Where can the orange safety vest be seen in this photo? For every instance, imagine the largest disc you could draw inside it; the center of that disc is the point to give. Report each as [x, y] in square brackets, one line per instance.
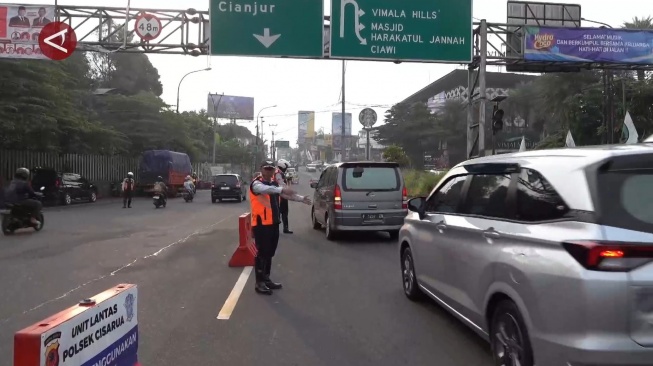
[261, 206]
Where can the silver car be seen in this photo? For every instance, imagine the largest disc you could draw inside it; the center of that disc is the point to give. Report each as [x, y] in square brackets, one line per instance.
[359, 196]
[548, 254]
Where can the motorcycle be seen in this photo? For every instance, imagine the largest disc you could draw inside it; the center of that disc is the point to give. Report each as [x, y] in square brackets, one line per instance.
[188, 196]
[15, 217]
[158, 200]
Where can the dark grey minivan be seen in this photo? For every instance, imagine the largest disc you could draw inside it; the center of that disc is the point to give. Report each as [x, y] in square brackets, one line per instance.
[359, 196]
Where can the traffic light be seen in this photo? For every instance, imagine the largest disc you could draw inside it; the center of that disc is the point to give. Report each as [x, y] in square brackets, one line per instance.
[497, 119]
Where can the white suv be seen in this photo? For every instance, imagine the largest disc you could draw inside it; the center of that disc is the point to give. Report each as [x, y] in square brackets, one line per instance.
[546, 254]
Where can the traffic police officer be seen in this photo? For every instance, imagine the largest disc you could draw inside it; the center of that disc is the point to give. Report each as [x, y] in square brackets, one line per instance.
[281, 179]
[265, 193]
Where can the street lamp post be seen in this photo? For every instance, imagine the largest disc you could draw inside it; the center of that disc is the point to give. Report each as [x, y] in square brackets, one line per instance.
[258, 115]
[182, 79]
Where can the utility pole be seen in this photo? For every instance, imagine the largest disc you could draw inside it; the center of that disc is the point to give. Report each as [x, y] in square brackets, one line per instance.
[272, 146]
[342, 127]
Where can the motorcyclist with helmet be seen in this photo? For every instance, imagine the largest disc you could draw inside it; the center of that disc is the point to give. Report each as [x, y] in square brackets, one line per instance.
[189, 186]
[20, 193]
[280, 177]
[161, 189]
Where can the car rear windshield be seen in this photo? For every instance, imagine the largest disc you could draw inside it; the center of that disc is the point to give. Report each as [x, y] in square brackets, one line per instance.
[369, 178]
[625, 195]
[43, 178]
[228, 179]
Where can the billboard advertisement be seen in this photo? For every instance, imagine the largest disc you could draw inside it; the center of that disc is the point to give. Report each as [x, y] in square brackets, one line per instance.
[20, 26]
[305, 126]
[230, 106]
[336, 128]
[588, 45]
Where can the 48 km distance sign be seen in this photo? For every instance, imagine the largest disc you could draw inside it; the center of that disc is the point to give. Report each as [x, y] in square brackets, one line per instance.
[148, 26]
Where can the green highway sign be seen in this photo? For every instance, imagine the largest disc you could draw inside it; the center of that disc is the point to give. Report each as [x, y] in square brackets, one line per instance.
[272, 28]
[402, 30]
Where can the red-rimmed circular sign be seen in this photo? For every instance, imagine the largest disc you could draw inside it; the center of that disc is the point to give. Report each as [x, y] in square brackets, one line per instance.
[147, 26]
[57, 41]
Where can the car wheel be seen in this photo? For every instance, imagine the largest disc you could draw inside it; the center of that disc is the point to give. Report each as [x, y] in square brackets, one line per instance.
[316, 224]
[509, 336]
[411, 287]
[330, 233]
[220, 200]
[67, 200]
[93, 197]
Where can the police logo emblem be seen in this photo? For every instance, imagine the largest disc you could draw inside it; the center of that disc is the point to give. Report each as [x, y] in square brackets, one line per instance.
[52, 349]
[129, 307]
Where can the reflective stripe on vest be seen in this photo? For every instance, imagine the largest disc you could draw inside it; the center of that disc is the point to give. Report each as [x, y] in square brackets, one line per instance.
[260, 207]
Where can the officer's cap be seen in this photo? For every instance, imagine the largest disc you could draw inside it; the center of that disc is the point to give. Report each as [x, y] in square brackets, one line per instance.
[267, 164]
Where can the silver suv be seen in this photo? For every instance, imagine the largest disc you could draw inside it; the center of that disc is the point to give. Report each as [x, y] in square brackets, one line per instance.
[548, 255]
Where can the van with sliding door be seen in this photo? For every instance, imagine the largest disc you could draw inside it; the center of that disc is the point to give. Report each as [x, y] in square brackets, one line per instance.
[359, 196]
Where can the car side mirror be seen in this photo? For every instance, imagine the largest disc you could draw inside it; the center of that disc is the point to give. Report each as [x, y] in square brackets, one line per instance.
[314, 185]
[417, 205]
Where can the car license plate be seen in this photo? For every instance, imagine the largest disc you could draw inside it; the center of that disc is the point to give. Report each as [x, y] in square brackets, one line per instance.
[156, 197]
[224, 188]
[372, 217]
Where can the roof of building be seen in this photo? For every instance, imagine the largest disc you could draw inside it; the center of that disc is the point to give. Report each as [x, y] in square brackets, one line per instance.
[458, 78]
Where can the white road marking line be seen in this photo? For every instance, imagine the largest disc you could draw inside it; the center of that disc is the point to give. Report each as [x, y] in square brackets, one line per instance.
[113, 273]
[232, 300]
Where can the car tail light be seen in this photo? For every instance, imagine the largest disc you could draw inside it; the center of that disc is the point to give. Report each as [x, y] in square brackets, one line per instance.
[337, 198]
[212, 185]
[237, 185]
[610, 256]
[404, 198]
[57, 183]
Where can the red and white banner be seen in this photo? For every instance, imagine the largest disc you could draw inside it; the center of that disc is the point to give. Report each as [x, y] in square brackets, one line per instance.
[20, 26]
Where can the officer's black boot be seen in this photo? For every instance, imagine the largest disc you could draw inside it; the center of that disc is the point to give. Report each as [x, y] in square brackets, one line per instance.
[268, 282]
[284, 219]
[259, 268]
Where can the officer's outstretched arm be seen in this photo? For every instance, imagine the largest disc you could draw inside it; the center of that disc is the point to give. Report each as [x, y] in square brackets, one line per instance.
[260, 188]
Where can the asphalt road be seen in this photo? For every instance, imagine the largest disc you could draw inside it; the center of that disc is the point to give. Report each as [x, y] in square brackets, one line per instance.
[342, 302]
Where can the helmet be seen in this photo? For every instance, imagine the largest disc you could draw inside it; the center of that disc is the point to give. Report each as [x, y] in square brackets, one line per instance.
[22, 173]
[283, 164]
[159, 179]
[130, 174]
[267, 164]
[188, 177]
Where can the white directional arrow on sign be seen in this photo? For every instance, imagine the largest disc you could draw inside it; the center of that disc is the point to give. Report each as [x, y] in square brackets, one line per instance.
[61, 34]
[266, 39]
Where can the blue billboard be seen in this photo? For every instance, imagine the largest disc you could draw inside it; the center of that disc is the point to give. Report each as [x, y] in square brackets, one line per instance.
[598, 45]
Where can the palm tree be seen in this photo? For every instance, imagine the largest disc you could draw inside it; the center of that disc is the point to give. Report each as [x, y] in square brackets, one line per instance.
[640, 23]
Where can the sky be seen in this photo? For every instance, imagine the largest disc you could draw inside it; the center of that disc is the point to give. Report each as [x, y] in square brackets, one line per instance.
[315, 85]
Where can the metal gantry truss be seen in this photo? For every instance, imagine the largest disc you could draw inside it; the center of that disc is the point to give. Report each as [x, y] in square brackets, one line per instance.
[500, 44]
[101, 29]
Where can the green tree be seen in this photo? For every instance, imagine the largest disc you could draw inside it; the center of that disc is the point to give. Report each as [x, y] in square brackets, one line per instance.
[645, 23]
[396, 154]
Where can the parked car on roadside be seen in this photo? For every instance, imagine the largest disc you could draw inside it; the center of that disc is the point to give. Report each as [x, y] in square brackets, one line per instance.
[548, 254]
[63, 188]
